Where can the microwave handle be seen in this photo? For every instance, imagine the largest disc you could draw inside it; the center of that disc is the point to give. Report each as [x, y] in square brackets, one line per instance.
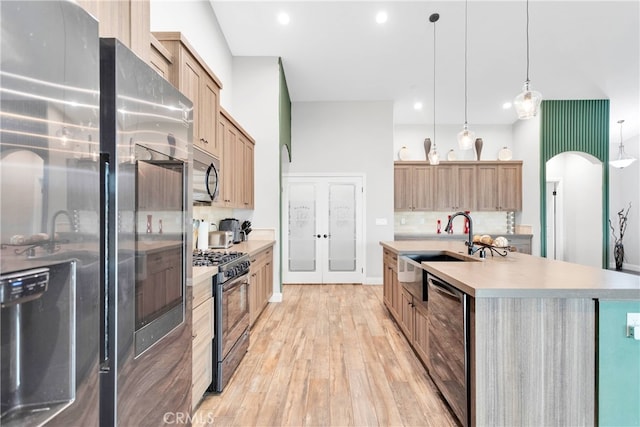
[206, 180]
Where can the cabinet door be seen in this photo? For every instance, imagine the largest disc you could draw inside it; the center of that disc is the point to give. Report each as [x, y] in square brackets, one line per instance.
[446, 188]
[201, 357]
[396, 294]
[423, 186]
[402, 188]
[466, 188]
[510, 187]
[190, 87]
[406, 313]
[247, 175]
[208, 115]
[488, 188]
[420, 331]
[228, 163]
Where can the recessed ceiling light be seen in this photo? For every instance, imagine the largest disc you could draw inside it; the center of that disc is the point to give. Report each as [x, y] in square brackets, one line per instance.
[381, 17]
[506, 105]
[417, 106]
[283, 18]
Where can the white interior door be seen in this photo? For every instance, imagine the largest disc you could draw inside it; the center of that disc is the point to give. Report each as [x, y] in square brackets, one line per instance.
[323, 229]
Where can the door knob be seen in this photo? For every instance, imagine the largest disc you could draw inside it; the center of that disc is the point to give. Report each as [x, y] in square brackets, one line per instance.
[327, 235]
[318, 236]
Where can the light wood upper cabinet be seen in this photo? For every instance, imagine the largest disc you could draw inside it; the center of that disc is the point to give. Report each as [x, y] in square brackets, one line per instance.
[237, 163]
[500, 187]
[160, 58]
[414, 187]
[126, 20]
[192, 77]
[455, 187]
[458, 186]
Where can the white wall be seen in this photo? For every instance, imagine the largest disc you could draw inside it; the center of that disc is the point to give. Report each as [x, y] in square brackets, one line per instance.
[526, 146]
[624, 188]
[197, 22]
[581, 233]
[494, 138]
[255, 97]
[351, 137]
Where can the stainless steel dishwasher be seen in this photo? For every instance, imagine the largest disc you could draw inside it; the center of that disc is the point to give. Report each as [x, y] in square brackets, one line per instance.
[448, 362]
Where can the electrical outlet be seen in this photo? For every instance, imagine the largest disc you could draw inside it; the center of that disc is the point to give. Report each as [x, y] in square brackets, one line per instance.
[403, 221]
[633, 322]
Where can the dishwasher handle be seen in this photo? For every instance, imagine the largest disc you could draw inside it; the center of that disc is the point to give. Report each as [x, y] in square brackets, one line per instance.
[444, 288]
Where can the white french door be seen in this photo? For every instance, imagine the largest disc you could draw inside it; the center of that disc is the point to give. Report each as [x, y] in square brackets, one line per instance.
[322, 229]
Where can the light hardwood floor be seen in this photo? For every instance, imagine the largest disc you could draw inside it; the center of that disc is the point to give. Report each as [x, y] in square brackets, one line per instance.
[328, 355]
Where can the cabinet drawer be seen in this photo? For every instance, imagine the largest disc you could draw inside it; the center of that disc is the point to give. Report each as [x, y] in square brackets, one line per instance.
[202, 290]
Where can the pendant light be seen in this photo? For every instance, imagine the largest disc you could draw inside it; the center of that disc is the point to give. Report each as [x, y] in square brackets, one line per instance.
[528, 101]
[623, 159]
[433, 156]
[465, 136]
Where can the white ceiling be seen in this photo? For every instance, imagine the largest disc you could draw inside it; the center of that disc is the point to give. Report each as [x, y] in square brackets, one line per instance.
[335, 51]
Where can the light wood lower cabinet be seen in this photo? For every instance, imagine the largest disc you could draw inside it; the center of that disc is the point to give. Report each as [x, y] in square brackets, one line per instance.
[391, 286]
[413, 322]
[260, 282]
[202, 336]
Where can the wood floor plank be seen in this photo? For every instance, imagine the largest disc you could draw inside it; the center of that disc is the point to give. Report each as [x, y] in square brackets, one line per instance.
[328, 355]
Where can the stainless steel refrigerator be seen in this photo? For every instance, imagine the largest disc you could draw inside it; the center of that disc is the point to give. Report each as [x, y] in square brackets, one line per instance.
[95, 163]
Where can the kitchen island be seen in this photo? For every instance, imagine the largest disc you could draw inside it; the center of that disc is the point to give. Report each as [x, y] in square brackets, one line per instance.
[531, 337]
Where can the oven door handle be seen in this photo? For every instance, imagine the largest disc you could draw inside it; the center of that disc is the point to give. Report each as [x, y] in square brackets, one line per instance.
[235, 282]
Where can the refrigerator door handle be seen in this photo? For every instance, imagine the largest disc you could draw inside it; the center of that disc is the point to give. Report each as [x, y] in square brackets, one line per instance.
[104, 264]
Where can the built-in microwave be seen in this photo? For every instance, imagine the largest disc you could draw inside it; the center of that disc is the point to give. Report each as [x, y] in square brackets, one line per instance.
[206, 178]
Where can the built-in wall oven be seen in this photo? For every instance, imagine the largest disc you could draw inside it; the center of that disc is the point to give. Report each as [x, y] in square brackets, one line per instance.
[206, 177]
[230, 312]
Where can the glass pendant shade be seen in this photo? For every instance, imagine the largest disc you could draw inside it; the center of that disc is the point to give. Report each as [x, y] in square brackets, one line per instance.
[466, 138]
[623, 160]
[527, 102]
[434, 158]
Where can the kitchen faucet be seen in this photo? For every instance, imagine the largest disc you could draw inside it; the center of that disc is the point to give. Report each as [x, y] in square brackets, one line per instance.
[52, 239]
[470, 249]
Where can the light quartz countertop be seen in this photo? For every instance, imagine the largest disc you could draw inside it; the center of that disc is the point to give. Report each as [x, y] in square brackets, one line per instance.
[250, 246]
[520, 275]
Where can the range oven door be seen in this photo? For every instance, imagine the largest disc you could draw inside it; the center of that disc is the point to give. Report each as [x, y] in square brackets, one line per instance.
[235, 311]
[206, 178]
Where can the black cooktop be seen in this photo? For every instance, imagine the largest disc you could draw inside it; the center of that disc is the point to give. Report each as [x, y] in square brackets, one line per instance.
[211, 258]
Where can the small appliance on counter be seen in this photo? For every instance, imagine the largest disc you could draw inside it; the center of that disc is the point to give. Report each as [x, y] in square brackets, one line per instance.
[233, 225]
[220, 239]
[245, 229]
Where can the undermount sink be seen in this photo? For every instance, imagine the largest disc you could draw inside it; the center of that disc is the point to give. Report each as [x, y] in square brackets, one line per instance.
[437, 257]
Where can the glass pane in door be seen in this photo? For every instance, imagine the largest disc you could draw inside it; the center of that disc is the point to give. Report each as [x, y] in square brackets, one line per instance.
[302, 227]
[342, 227]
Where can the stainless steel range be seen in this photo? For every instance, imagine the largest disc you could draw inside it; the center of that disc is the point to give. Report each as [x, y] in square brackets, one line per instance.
[231, 311]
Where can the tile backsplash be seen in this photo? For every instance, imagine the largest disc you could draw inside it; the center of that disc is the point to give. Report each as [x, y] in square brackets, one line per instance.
[426, 222]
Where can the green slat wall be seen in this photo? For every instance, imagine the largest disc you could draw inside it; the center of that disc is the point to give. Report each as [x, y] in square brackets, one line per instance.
[576, 125]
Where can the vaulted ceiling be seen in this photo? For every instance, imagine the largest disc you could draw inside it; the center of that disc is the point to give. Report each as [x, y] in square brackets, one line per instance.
[336, 51]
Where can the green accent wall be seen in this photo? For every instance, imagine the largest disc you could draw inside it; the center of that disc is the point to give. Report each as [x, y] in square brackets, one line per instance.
[619, 366]
[285, 111]
[575, 125]
[284, 118]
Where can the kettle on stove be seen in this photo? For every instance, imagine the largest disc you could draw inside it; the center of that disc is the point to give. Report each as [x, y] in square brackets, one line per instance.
[233, 225]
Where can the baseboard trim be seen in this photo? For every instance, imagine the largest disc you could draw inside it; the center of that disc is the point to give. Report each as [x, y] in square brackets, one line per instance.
[276, 297]
[372, 281]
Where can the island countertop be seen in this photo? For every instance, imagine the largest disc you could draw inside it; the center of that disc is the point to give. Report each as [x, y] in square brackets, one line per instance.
[520, 275]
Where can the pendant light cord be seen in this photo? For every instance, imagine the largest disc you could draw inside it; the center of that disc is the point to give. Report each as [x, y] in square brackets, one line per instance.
[434, 84]
[527, 41]
[466, 5]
